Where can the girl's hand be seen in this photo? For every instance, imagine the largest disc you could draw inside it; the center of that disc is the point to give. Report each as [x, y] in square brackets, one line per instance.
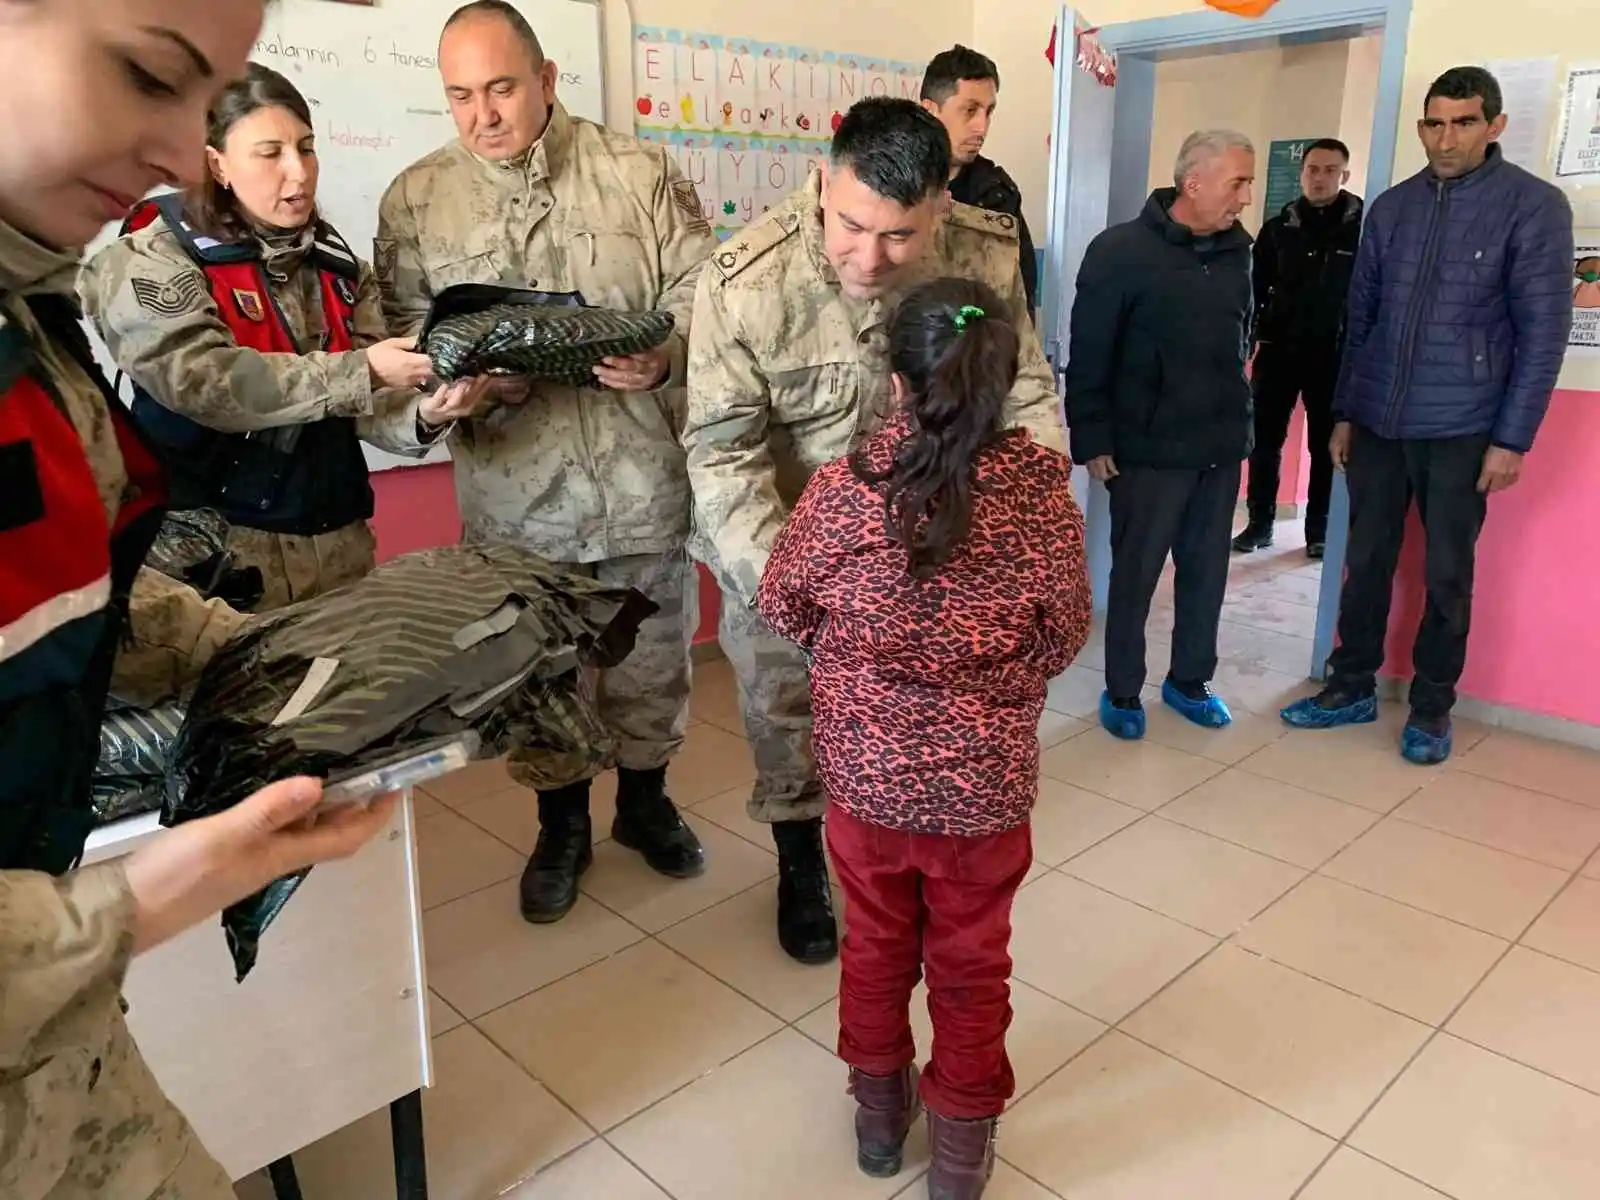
[396, 364]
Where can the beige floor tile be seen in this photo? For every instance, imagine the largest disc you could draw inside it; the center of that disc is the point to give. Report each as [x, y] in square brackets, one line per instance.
[1410, 961]
[1044, 1032]
[1307, 1049]
[1570, 772]
[795, 1138]
[1008, 1183]
[1076, 692]
[596, 1172]
[730, 810]
[1248, 733]
[1351, 1175]
[489, 1127]
[1530, 824]
[512, 815]
[1100, 954]
[1055, 728]
[1124, 1122]
[1191, 877]
[737, 942]
[617, 1037]
[1359, 765]
[1540, 1011]
[441, 1017]
[1303, 590]
[1068, 820]
[621, 880]
[1143, 774]
[1486, 889]
[424, 806]
[716, 697]
[472, 782]
[1258, 689]
[456, 858]
[1272, 613]
[482, 954]
[1271, 817]
[1591, 869]
[1477, 1126]
[1570, 928]
[1251, 646]
[711, 762]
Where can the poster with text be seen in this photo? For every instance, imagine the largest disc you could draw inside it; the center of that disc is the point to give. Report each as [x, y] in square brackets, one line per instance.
[1585, 339]
[1578, 151]
[746, 121]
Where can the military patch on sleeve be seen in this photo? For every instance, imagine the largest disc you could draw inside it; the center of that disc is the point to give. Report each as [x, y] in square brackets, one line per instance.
[384, 254]
[688, 202]
[995, 224]
[173, 299]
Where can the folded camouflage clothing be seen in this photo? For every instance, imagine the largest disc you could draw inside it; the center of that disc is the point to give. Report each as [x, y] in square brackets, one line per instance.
[484, 638]
[192, 547]
[557, 344]
[129, 776]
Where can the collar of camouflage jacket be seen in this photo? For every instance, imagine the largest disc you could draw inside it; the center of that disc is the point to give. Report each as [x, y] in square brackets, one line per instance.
[811, 233]
[27, 266]
[542, 159]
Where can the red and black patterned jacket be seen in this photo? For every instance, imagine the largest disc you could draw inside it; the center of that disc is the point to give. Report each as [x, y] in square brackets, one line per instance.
[926, 694]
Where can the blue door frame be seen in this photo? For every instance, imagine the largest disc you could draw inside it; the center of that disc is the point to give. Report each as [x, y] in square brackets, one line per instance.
[1139, 45]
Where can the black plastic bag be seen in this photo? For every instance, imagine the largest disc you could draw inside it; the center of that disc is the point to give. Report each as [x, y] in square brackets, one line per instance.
[479, 329]
[488, 638]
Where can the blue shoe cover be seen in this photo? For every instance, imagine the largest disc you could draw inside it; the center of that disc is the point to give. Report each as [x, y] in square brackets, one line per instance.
[1308, 714]
[1124, 723]
[1423, 748]
[1210, 713]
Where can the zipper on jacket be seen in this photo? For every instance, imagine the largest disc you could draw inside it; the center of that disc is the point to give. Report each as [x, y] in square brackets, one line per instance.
[1408, 340]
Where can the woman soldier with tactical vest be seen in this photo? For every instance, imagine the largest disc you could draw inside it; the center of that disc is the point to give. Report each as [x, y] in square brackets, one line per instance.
[100, 103]
[257, 348]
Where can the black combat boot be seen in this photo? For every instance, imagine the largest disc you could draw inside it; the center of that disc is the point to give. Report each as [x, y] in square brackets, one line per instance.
[563, 853]
[806, 928]
[963, 1157]
[647, 821]
[1257, 535]
[885, 1107]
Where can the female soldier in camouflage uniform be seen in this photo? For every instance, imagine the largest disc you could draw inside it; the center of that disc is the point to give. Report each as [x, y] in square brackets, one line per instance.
[100, 102]
[257, 348]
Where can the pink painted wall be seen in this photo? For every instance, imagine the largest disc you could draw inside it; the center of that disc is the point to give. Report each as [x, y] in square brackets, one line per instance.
[416, 508]
[1535, 642]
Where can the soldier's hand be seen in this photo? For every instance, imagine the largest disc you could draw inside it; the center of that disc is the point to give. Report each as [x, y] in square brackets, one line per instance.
[1339, 445]
[195, 870]
[635, 372]
[396, 364]
[455, 401]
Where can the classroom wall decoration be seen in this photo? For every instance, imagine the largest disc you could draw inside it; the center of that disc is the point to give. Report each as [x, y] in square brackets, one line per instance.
[747, 120]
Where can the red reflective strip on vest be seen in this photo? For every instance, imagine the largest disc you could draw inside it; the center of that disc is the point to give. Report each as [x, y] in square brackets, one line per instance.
[147, 485]
[56, 569]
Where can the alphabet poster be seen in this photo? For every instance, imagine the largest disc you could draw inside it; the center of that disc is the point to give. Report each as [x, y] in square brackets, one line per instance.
[1585, 339]
[746, 120]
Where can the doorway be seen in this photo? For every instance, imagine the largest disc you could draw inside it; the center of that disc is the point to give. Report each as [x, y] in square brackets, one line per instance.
[1265, 77]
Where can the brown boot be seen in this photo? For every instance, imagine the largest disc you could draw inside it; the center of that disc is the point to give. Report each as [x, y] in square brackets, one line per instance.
[885, 1107]
[963, 1157]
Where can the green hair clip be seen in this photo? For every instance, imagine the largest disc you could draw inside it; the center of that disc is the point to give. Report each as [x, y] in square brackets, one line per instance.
[967, 314]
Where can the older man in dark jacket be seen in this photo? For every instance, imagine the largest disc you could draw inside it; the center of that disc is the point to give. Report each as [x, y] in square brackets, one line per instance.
[1159, 411]
[1458, 316]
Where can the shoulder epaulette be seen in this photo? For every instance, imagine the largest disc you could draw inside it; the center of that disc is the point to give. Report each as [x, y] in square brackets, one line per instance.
[981, 220]
[754, 241]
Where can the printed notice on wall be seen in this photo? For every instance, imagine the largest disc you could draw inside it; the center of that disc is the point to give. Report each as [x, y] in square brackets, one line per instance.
[1585, 339]
[746, 121]
[1578, 150]
[1528, 85]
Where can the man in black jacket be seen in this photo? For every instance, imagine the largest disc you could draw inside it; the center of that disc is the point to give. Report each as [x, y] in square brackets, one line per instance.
[1159, 411]
[1303, 261]
[961, 87]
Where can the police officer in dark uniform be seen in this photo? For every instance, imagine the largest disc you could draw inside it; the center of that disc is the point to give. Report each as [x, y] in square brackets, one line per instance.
[960, 87]
[1302, 266]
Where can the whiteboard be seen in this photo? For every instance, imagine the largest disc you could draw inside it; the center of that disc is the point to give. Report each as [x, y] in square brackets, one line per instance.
[370, 75]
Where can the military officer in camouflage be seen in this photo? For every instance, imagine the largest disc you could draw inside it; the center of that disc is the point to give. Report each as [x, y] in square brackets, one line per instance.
[788, 369]
[531, 196]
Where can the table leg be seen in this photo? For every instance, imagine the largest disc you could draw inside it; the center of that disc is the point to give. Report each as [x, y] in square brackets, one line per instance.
[285, 1184]
[410, 1149]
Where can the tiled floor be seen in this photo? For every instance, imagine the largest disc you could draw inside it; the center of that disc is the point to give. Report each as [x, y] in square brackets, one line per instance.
[1249, 966]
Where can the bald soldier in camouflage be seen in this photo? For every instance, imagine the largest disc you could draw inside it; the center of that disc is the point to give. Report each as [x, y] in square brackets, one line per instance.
[531, 196]
[788, 370]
